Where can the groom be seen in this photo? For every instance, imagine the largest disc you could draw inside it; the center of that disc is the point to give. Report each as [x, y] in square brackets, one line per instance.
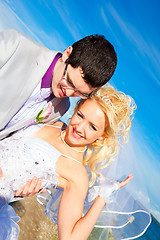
[31, 76]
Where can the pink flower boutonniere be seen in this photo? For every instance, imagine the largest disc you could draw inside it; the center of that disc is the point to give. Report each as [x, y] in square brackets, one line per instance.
[42, 115]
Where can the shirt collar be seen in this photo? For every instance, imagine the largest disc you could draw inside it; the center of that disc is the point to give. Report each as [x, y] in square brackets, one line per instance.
[47, 78]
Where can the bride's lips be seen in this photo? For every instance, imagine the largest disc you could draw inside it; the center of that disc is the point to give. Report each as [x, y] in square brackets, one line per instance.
[76, 134]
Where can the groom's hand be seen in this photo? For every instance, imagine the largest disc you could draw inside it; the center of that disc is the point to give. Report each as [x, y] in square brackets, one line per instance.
[31, 187]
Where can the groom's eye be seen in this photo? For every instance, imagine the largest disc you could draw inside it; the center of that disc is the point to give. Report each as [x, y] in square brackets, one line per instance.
[69, 81]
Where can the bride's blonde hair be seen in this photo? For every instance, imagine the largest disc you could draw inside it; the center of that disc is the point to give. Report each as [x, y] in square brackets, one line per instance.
[118, 109]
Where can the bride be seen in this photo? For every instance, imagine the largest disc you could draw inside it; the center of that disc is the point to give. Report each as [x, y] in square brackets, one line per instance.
[59, 156]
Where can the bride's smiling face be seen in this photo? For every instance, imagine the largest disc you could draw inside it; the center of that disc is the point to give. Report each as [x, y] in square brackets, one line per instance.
[86, 125]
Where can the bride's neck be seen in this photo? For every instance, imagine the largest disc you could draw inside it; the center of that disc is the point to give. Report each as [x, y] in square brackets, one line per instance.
[77, 149]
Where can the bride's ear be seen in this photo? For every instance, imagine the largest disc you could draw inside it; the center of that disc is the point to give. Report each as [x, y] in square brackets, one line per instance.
[100, 138]
[66, 53]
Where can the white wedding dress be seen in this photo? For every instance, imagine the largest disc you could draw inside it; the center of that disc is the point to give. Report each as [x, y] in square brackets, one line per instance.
[23, 157]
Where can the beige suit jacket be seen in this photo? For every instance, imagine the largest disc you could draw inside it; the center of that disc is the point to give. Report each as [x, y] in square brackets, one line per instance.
[23, 63]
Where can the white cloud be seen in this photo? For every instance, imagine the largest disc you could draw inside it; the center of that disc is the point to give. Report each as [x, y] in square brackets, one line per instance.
[10, 19]
[53, 40]
[65, 14]
[149, 54]
[108, 25]
[104, 17]
[7, 20]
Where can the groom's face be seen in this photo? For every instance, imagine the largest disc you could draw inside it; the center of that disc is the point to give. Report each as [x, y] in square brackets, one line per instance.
[68, 81]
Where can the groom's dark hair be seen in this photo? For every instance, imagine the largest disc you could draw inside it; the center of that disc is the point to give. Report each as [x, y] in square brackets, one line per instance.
[97, 58]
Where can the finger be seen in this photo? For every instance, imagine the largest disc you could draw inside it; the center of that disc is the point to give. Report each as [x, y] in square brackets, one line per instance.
[26, 188]
[38, 186]
[19, 191]
[126, 181]
[1, 173]
[32, 185]
[129, 177]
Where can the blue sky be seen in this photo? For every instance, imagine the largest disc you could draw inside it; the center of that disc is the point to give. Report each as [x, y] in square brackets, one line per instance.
[133, 28]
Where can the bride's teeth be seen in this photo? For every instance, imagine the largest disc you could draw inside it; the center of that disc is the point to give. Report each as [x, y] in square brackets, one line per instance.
[77, 134]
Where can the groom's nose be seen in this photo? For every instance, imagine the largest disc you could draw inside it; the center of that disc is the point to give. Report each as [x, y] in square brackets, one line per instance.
[70, 92]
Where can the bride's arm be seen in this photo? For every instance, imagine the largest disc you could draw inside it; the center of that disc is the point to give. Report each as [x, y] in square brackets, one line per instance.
[71, 224]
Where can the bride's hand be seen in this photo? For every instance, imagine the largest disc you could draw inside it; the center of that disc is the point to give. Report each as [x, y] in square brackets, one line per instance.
[31, 187]
[121, 184]
[126, 181]
[105, 188]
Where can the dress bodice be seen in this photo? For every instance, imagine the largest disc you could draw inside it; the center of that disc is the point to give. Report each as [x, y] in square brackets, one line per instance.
[23, 157]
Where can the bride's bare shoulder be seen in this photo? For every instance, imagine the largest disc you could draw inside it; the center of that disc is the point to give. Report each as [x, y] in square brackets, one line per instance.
[58, 124]
[74, 172]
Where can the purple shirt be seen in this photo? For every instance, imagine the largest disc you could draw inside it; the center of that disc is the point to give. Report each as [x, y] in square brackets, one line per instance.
[47, 78]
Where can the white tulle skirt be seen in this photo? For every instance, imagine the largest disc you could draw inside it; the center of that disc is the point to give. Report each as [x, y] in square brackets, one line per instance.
[9, 228]
[122, 218]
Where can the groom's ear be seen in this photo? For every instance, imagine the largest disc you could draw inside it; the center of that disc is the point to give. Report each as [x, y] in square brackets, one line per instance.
[66, 53]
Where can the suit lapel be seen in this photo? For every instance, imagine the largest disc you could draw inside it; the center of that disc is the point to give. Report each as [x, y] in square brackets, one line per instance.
[25, 81]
